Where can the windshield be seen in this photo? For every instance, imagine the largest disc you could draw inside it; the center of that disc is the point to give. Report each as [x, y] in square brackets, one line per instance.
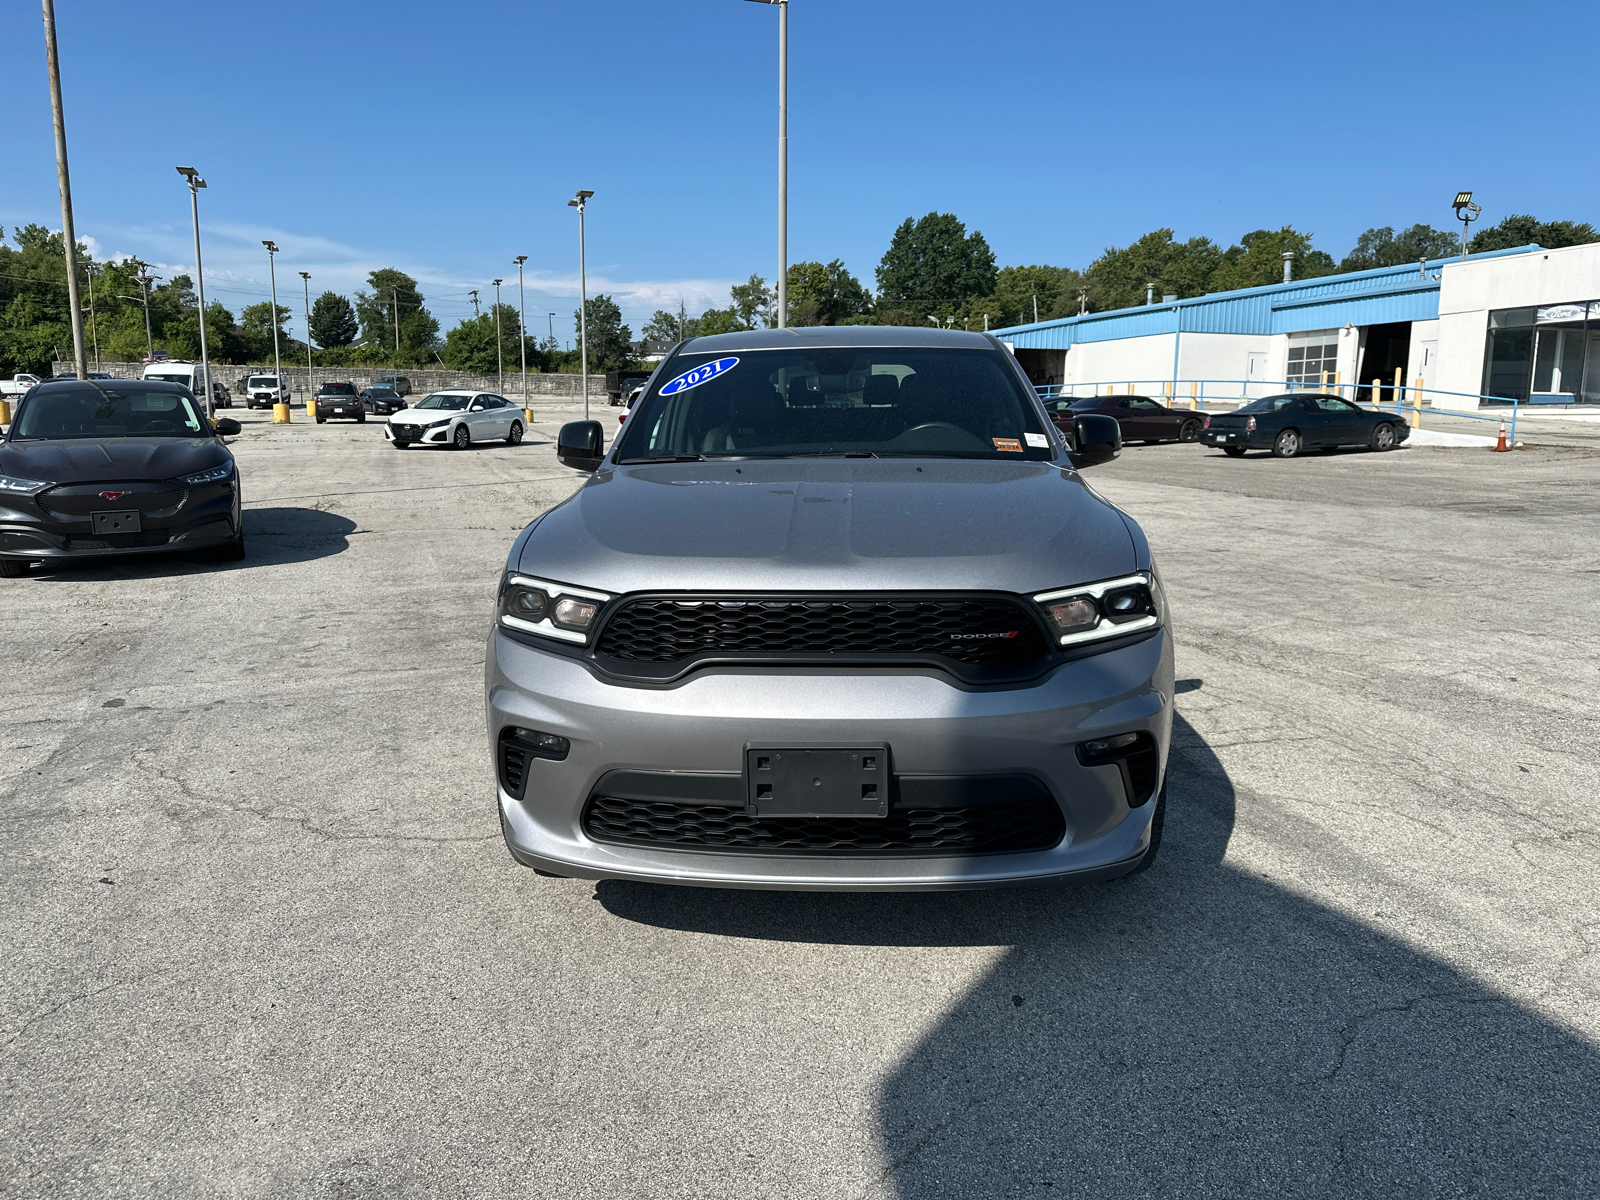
[450, 402]
[831, 401]
[1266, 404]
[126, 410]
[266, 381]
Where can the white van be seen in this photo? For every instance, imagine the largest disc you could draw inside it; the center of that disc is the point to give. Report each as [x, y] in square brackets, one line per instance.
[192, 376]
[263, 391]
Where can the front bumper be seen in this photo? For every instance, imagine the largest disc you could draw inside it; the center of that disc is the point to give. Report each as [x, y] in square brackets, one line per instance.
[423, 436]
[933, 728]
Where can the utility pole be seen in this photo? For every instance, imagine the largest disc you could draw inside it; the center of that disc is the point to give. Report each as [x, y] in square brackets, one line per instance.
[195, 184]
[474, 294]
[69, 237]
[144, 287]
[94, 326]
[550, 325]
[305, 282]
[578, 202]
[1036, 308]
[394, 299]
[272, 266]
[522, 327]
[499, 346]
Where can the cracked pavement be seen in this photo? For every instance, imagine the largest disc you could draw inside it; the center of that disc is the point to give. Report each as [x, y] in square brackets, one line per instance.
[262, 940]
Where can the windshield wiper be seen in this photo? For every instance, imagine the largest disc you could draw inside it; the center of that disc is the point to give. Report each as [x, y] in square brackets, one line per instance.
[631, 462]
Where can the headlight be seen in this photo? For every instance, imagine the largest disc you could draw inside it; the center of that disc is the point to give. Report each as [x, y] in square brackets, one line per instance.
[1108, 609]
[551, 609]
[10, 485]
[214, 475]
[436, 424]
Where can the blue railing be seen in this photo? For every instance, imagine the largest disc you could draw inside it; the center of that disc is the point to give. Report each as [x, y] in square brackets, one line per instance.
[1241, 391]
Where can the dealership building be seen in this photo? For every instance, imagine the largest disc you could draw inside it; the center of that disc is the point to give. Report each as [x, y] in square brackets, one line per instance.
[1505, 325]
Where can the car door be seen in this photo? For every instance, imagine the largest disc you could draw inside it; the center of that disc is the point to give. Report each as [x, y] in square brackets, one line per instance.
[501, 408]
[1154, 419]
[483, 418]
[1310, 420]
[1345, 423]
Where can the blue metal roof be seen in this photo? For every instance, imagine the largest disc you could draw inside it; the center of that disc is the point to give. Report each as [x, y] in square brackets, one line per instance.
[1402, 293]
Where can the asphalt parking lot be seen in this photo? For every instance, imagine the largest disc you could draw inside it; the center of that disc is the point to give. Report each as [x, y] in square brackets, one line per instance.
[262, 938]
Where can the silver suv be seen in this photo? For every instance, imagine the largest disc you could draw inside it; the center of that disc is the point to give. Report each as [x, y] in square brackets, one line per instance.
[836, 611]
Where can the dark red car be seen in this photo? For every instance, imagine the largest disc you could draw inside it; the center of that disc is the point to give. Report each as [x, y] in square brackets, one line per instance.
[1142, 419]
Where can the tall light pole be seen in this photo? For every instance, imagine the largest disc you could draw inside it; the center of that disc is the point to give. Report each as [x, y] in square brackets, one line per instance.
[783, 159]
[1466, 213]
[272, 267]
[550, 327]
[69, 238]
[305, 282]
[195, 184]
[522, 326]
[499, 346]
[578, 202]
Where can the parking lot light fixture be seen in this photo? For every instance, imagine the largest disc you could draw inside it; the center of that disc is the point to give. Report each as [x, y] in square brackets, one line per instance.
[499, 346]
[1466, 212]
[195, 184]
[783, 159]
[522, 328]
[305, 278]
[578, 202]
[272, 267]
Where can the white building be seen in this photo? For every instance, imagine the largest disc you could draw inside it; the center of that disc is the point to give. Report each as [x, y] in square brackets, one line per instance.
[1512, 324]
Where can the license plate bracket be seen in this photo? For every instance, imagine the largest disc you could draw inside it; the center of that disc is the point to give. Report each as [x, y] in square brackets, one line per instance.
[817, 781]
[117, 522]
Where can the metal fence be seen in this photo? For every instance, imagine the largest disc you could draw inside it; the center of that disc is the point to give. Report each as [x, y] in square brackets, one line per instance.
[540, 387]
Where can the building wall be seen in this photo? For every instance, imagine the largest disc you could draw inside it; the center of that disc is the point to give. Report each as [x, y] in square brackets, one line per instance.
[1424, 334]
[1469, 290]
[1138, 359]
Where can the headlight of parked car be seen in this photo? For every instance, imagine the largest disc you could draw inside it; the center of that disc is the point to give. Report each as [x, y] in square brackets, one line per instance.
[214, 475]
[10, 485]
[555, 610]
[1095, 611]
[437, 424]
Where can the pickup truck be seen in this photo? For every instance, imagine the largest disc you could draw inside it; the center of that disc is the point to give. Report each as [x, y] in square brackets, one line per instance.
[13, 388]
[620, 383]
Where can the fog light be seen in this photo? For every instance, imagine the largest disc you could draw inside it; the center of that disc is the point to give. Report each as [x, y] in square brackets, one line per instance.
[545, 745]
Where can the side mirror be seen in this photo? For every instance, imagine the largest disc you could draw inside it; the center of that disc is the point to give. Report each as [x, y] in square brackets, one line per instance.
[1095, 439]
[227, 427]
[476, 408]
[581, 445]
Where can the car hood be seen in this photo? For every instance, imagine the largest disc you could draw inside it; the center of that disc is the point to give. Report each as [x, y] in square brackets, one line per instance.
[425, 416]
[831, 525]
[85, 461]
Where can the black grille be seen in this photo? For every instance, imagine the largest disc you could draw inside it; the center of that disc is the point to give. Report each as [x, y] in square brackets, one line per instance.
[1033, 824]
[975, 631]
[408, 431]
[121, 541]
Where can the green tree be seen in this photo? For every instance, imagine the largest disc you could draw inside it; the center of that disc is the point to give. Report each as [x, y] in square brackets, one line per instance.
[825, 294]
[1379, 247]
[668, 328]
[333, 321]
[754, 301]
[394, 298]
[1523, 230]
[609, 338]
[224, 342]
[470, 345]
[1156, 264]
[1258, 260]
[719, 320]
[932, 262]
[255, 329]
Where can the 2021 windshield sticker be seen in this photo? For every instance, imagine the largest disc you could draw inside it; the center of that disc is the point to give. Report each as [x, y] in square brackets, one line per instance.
[701, 374]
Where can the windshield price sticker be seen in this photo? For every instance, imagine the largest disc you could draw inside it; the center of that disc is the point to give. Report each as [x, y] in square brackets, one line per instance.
[1009, 445]
[1037, 439]
[701, 374]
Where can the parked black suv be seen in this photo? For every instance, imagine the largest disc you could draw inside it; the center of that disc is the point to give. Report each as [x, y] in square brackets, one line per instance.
[339, 400]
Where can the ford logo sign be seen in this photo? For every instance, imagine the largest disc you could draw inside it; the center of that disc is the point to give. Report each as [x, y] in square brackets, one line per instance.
[701, 374]
[114, 495]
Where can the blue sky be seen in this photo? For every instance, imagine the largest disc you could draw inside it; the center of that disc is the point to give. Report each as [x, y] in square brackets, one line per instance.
[445, 138]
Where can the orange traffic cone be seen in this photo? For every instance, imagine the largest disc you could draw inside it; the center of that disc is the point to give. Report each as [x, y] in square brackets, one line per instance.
[1500, 446]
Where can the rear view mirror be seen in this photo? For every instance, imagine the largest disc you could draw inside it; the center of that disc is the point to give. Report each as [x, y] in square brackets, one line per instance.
[581, 444]
[1095, 439]
[227, 427]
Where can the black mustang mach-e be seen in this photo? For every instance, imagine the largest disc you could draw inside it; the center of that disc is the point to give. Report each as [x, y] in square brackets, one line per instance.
[104, 467]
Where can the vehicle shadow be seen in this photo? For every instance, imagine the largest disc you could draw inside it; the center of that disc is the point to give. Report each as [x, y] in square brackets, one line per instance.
[273, 536]
[1195, 1030]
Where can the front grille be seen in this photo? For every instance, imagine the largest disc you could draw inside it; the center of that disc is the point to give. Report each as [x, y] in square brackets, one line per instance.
[120, 541]
[407, 431]
[973, 631]
[1032, 824]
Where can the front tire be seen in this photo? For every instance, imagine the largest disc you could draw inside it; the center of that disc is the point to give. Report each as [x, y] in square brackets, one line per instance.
[230, 551]
[1233, 451]
[515, 436]
[1287, 444]
[1157, 820]
[1383, 436]
[462, 438]
[1189, 431]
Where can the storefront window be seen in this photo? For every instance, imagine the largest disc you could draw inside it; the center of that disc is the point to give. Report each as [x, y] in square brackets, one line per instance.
[1547, 355]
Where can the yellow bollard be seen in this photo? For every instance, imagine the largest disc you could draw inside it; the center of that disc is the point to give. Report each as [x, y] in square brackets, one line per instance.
[1194, 395]
[280, 414]
[1130, 389]
[5, 412]
[1377, 391]
[1416, 413]
[527, 417]
[1338, 383]
[311, 409]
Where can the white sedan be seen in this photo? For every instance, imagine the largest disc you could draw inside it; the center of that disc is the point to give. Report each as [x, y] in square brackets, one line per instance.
[455, 417]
